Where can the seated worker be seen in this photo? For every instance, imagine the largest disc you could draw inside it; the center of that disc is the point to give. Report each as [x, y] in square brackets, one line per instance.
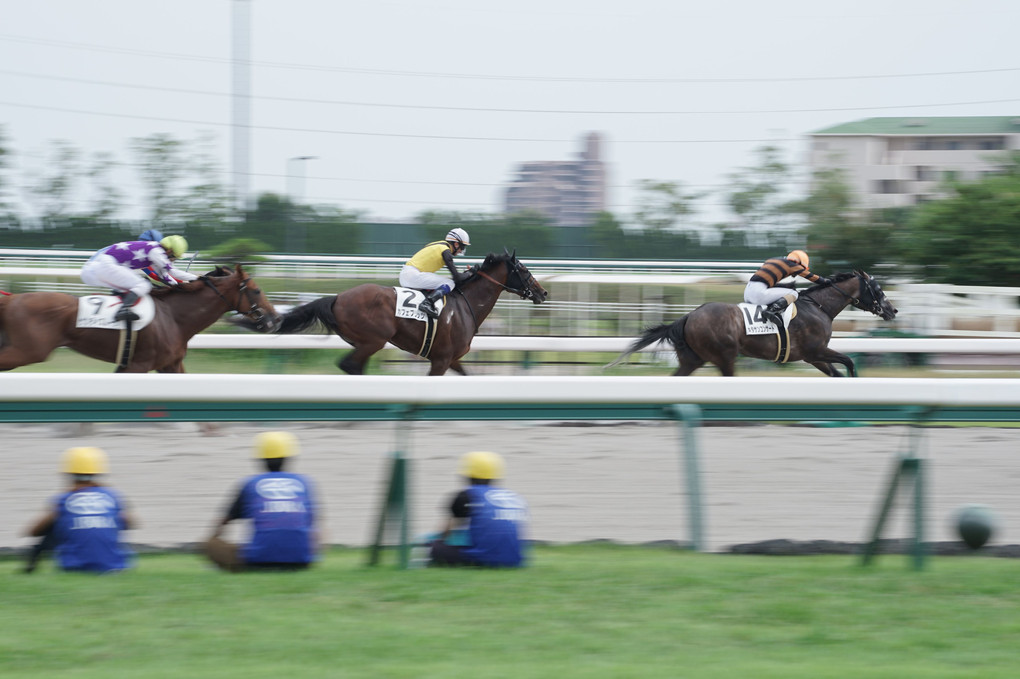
[764, 288]
[282, 512]
[420, 271]
[114, 267]
[84, 523]
[493, 518]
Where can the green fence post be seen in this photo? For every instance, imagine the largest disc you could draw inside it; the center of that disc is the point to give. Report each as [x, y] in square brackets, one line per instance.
[396, 503]
[909, 464]
[690, 417]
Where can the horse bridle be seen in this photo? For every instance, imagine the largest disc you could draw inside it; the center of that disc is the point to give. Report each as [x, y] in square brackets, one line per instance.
[870, 304]
[514, 268]
[255, 312]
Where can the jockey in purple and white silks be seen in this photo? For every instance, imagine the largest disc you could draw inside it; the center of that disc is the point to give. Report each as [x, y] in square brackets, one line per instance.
[114, 267]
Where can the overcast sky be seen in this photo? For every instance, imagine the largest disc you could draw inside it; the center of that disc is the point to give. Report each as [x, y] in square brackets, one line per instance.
[411, 105]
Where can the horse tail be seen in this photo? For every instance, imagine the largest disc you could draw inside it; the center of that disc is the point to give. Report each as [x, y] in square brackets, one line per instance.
[303, 317]
[667, 332]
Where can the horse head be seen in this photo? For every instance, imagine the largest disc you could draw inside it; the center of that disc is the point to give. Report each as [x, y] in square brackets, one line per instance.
[518, 280]
[239, 291]
[872, 298]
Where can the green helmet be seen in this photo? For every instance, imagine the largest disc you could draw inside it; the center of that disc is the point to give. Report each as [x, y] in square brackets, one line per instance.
[85, 460]
[274, 444]
[482, 465]
[175, 245]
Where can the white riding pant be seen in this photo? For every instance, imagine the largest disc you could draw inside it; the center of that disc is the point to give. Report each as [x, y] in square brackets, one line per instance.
[104, 271]
[412, 277]
[758, 292]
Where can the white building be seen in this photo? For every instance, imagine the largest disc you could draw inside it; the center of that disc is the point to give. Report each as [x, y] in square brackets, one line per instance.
[895, 162]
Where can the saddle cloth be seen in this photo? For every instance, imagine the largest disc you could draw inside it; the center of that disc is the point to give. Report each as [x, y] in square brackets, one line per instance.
[754, 324]
[96, 311]
[408, 300]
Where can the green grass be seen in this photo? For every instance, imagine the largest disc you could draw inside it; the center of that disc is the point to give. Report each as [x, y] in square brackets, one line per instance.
[579, 611]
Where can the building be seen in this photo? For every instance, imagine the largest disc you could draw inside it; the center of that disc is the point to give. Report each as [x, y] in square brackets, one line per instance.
[895, 162]
[567, 192]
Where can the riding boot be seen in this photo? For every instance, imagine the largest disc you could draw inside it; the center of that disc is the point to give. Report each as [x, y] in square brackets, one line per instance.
[428, 305]
[124, 313]
[774, 311]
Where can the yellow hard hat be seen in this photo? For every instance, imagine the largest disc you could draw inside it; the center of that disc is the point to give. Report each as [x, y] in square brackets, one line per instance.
[84, 460]
[482, 465]
[799, 256]
[273, 444]
[175, 245]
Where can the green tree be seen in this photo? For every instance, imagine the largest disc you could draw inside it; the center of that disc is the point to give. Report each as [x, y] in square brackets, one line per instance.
[5, 207]
[664, 206]
[162, 163]
[106, 196]
[52, 190]
[842, 237]
[970, 237]
[755, 197]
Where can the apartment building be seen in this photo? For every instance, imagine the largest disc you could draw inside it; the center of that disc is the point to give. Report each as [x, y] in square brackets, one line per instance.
[567, 192]
[895, 162]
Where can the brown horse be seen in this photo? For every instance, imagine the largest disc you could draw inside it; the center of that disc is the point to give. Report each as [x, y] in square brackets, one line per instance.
[714, 332]
[364, 316]
[33, 324]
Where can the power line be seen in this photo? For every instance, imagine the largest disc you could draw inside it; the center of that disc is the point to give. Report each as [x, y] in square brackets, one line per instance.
[481, 109]
[479, 76]
[275, 128]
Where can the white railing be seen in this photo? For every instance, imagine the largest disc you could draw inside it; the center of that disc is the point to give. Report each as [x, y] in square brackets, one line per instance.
[492, 391]
[927, 310]
[848, 345]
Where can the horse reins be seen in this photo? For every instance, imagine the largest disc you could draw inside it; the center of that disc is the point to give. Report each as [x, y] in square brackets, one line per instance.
[255, 312]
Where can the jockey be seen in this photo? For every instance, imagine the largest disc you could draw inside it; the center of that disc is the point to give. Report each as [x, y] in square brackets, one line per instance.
[156, 236]
[420, 271]
[764, 288]
[113, 267]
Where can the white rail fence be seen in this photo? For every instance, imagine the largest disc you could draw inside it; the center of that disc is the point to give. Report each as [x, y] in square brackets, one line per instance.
[926, 310]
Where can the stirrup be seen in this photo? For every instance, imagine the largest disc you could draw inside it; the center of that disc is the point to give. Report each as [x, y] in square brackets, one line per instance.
[428, 308]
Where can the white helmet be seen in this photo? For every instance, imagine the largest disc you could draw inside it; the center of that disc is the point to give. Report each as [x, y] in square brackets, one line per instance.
[459, 235]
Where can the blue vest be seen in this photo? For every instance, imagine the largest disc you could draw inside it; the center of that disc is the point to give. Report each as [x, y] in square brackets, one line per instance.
[282, 512]
[498, 518]
[88, 529]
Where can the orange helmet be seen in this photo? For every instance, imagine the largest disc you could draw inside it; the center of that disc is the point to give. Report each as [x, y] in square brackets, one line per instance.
[800, 257]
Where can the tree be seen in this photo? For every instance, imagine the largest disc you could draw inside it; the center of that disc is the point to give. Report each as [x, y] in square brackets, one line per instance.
[972, 237]
[755, 197]
[52, 189]
[4, 153]
[106, 196]
[162, 164]
[663, 205]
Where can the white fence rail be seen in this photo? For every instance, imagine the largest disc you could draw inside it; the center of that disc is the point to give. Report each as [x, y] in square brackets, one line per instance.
[850, 345]
[927, 310]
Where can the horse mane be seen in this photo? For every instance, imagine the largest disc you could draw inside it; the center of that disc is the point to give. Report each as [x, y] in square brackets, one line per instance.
[192, 286]
[835, 278]
[491, 260]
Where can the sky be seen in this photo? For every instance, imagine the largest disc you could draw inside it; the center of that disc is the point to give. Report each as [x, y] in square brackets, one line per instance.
[403, 106]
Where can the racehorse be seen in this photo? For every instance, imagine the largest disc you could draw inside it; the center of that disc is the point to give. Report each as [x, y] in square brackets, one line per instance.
[33, 324]
[714, 332]
[364, 316]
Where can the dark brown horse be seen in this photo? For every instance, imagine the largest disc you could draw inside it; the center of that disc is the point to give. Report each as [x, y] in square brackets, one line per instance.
[33, 324]
[364, 316]
[714, 332]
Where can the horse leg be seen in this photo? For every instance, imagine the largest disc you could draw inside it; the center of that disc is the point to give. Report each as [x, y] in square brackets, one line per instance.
[689, 362]
[457, 367]
[826, 368]
[440, 366]
[827, 355]
[354, 362]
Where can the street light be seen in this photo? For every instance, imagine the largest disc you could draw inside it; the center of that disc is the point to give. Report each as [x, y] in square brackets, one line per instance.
[295, 180]
[295, 195]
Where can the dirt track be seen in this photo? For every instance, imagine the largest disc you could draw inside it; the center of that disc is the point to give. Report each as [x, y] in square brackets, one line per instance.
[620, 481]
